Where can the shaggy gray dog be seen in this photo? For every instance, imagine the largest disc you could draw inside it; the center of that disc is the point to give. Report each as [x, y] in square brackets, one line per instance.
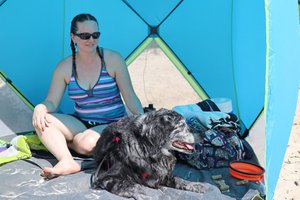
[137, 150]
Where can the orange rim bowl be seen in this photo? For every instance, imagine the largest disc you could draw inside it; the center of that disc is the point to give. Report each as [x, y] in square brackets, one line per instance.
[246, 171]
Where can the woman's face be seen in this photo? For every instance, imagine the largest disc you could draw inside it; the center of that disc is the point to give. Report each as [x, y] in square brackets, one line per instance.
[87, 36]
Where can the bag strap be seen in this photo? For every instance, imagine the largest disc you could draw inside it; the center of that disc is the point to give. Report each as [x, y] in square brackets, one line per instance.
[208, 105]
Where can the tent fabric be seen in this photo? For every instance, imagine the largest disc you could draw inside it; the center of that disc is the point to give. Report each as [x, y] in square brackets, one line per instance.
[155, 12]
[246, 51]
[248, 25]
[283, 48]
[15, 114]
[215, 76]
[200, 28]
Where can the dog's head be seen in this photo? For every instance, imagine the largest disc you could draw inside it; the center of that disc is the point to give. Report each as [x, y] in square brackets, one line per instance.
[166, 130]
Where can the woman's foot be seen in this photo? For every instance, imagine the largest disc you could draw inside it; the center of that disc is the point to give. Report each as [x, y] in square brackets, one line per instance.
[63, 167]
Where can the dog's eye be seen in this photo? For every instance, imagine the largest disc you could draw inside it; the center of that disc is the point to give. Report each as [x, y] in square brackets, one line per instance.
[167, 118]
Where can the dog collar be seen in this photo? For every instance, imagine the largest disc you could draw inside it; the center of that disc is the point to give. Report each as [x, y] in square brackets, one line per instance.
[145, 175]
[116, 139]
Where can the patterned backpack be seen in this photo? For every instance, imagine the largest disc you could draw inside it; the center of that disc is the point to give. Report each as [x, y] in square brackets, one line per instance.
[217, 143]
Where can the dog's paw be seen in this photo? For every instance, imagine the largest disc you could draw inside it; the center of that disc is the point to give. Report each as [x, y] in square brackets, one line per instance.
[135, 191]
[142, 197]
[191, 186]
[197, 187]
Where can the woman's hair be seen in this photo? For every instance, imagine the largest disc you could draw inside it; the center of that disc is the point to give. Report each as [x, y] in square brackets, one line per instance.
[81, 18]
[74, 28]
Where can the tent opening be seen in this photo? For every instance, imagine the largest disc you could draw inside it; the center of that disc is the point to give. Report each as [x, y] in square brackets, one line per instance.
[157, 81]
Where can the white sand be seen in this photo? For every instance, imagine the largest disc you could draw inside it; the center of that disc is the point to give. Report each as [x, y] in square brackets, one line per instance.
[288, 186]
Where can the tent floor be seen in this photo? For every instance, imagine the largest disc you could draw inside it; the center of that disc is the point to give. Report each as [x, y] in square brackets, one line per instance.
[21, 180]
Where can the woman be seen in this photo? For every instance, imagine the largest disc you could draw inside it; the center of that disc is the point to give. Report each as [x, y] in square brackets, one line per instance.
[95, 78]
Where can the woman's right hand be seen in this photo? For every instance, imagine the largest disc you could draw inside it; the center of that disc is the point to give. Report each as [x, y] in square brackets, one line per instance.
[39, 118]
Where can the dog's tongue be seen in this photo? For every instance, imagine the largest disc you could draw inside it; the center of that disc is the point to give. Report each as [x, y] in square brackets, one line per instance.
[188, 146]
[184, 145]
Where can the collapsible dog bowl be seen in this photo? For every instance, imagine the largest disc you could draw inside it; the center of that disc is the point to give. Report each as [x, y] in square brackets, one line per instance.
[246, 171]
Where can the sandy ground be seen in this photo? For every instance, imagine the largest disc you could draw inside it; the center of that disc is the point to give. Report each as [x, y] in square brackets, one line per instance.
[288, 186]
[156, 81]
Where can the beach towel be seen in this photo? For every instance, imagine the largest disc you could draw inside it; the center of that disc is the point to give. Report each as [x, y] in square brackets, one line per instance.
[19, 148]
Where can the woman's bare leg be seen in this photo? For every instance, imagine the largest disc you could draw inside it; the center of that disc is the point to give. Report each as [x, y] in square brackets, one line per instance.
[55, 137]
[85, 142]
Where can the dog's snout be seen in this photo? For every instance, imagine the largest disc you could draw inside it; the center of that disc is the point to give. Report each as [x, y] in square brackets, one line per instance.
[192, 138]
[189, 137]
[183, 132]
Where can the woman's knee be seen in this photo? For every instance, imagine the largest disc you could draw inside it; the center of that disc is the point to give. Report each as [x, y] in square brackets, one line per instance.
[48, 126]
[86, 143]
[67, 125]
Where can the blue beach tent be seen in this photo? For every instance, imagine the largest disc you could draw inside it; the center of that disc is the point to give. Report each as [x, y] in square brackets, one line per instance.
[247, 51]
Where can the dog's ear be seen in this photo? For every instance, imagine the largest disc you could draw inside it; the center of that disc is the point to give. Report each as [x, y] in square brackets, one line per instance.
[139, 121]
[139, 124]
[109, 140]
[144, 123]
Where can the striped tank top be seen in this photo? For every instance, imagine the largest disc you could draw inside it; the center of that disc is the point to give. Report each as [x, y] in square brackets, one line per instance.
[102, 103]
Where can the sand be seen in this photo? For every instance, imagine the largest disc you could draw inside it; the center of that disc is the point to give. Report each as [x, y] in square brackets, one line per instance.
[288, 186]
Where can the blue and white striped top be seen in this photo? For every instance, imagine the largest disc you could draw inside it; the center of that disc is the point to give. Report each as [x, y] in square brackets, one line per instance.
[102, 103]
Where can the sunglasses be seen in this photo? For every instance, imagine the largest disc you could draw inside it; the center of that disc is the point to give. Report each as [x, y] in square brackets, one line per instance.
[87, 36]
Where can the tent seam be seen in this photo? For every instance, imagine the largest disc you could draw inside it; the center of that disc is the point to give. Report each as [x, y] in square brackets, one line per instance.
[133, 10]
[233, 68]
[266, 87]
[2, 2]
[170, 13]
[181, 68]
[138, 50]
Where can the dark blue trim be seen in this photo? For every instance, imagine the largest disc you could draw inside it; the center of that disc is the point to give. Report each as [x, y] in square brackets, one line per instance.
[2, 2]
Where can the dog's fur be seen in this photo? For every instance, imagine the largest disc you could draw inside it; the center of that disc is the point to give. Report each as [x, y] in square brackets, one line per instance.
[135, 151]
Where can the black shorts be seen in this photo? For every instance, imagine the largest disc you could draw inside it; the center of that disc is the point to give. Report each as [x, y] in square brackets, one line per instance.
[88, 124]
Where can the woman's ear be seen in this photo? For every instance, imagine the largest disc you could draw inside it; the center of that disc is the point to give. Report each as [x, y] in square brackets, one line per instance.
[73, 38]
